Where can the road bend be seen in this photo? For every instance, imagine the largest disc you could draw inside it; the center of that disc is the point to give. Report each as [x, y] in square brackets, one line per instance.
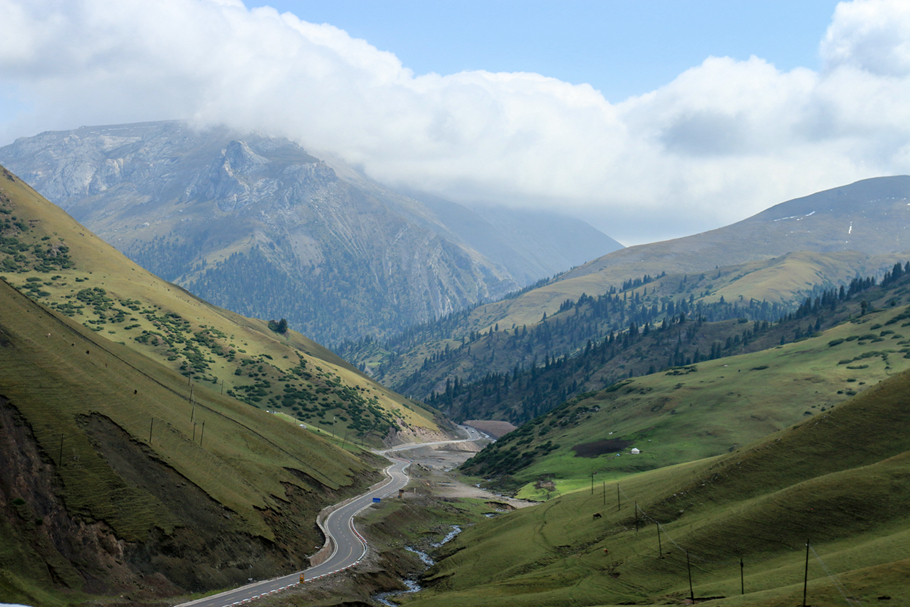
[349, 545]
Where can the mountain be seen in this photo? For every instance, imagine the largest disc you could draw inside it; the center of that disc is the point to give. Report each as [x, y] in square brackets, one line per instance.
[869, 217]
[530, 245]
[644, 285]
[261, 227]
[56, 261]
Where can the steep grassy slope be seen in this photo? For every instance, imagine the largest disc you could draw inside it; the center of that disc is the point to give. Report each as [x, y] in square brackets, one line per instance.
[115, 482]
[61, 264]
[697, 411]
[838, 479]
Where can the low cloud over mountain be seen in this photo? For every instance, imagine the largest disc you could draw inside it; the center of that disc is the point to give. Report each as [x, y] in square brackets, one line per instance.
[696, 153]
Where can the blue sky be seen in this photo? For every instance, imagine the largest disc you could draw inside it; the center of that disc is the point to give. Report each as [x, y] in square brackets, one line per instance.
[648, 120]
[621, 48]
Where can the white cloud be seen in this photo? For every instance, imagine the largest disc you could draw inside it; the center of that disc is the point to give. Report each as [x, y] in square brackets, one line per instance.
[722, 141]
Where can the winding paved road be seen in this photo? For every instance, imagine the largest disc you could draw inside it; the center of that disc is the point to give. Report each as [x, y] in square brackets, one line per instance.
[350, 546]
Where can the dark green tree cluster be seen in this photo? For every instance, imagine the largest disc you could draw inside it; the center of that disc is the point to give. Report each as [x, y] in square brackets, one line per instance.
[18, 255]
[280, 326]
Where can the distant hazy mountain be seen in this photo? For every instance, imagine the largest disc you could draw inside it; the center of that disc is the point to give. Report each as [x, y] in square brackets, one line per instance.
[870, 216]
[530, 245]
[261, 227]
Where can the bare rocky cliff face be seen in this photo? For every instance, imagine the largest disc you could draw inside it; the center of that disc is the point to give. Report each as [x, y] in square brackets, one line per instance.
[259, 226]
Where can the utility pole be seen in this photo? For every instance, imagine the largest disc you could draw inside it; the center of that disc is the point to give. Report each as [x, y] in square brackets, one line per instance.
[742, 576]
[618, 504]
[592, 483]
[151, 427]
[806, 576]
[689, 568]
[334, 421]
[202, 433]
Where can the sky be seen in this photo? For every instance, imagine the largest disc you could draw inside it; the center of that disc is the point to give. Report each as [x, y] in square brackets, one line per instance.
[649, 120]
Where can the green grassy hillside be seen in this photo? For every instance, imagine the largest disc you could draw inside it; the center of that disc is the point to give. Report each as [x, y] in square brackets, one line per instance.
[115, 482]
[704, 409]
[837, 479]
[59, 263]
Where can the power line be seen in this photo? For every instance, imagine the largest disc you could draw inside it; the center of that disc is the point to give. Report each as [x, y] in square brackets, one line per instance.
[837, 584]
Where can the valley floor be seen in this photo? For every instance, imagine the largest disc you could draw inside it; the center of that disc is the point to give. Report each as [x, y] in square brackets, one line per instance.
[435, 500]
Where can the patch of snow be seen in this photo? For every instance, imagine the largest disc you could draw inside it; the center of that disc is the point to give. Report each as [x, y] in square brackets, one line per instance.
[850, 229]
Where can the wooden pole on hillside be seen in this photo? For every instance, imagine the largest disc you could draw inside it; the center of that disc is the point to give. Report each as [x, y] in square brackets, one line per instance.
[194, 432]
[202, 433]
[806, 576]
[742, 576]
[151, 427]
[618, 503]
[592, 483]
[689, 568]
[635, 505]
[605, 493]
